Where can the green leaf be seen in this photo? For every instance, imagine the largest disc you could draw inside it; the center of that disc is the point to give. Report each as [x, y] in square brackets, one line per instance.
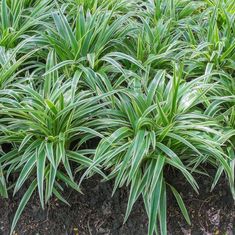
[154, 203]
[22, 204]
[5, 15]
[3, 187]
[41, 159]
[181, 204]
[162, 212]
[24, 174]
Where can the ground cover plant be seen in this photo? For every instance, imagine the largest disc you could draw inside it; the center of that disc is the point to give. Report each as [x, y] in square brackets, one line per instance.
[124, 89]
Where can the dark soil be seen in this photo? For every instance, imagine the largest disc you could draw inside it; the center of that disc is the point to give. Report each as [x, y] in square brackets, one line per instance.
[96, 212]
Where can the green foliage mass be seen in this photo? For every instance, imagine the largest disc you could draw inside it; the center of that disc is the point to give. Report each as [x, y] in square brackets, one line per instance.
[150, 82]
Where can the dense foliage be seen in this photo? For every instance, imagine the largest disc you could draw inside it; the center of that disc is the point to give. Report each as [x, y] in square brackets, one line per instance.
[127, 89]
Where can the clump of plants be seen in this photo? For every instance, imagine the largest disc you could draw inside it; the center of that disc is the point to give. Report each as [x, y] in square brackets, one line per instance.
[152, 81]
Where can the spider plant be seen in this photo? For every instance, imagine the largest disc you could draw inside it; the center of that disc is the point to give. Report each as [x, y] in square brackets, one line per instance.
[151, 129]
[176, 10]
[121, 7]
[46, 123]
[13, 62]
[222, 108]
[157, 45]
[211, 40]
[20, 19]
[86, 39]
